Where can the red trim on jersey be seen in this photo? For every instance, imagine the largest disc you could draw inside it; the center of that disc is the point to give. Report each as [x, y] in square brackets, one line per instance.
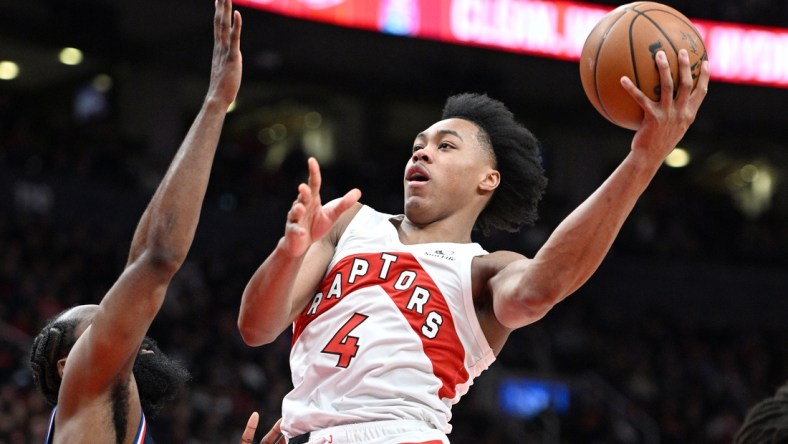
[445, 350]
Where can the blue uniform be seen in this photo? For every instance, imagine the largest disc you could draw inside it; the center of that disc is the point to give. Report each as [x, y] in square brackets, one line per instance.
[142, 436]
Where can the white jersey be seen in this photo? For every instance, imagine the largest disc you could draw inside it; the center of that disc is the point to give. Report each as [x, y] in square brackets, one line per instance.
[391, 333]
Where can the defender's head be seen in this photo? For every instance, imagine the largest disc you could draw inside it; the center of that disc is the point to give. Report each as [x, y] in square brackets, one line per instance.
[159, 378]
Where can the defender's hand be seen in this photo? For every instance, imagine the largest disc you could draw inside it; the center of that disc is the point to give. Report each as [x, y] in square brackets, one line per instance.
[227, 63]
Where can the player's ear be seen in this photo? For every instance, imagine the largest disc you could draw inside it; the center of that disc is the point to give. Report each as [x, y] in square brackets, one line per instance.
[61, 365]
[490, 181]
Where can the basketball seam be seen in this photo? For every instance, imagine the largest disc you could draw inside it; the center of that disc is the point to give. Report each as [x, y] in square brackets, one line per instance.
[596, 65]
[689, 25]
[632, 48]
[679, 18]
[659, 28]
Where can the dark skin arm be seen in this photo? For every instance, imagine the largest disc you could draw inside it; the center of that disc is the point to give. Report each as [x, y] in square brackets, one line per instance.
[104, 354]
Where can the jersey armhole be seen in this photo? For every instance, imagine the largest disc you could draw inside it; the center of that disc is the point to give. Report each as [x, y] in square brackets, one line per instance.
[488, 355]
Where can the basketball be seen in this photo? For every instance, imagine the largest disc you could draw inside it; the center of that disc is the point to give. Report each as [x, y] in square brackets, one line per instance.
[625, 43]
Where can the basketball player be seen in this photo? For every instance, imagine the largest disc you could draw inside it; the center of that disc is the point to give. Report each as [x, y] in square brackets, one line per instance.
[93, 362]
[395, 315]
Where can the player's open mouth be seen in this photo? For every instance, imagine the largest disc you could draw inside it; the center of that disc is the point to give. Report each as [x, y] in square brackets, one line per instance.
[417, 174]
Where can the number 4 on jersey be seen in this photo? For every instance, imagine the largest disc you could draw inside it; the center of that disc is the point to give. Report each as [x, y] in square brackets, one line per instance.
[343, 344]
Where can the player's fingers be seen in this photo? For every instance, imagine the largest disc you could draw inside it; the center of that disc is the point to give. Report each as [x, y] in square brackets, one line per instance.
[336, 207]
[685, 76]
[251, 428]
[235, 35]
[315, 178]
[304, 194]
[665, 79]
[220, 19]
[217, 20]
[226, 19]
[295, 213]
[636, 93]
[702, 87]
[292, 229]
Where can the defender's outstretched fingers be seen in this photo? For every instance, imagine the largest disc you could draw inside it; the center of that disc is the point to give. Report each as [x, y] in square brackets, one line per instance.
[218, 20]
[235, 34]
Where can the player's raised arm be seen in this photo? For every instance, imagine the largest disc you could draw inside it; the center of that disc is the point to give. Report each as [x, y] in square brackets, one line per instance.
[524, 290]
[108, 348]
[284, 282]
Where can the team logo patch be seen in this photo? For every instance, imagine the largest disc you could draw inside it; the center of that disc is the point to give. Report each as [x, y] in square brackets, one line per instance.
[443, 254]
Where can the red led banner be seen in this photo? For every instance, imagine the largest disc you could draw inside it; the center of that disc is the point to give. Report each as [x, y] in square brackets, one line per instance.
[556, 29]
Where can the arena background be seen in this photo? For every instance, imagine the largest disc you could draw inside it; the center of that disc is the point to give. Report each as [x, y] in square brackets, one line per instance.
[681, 329]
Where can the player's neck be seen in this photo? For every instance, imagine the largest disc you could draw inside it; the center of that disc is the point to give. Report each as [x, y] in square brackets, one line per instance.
[446, 230]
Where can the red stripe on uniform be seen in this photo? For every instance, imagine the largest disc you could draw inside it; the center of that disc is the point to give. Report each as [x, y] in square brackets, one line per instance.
[445, 351]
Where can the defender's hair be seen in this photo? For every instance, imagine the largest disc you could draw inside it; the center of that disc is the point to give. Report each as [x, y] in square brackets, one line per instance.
[52, 343]
[517, 157]
[767, 421]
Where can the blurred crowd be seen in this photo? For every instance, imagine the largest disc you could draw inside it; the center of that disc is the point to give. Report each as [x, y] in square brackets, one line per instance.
[70, 195]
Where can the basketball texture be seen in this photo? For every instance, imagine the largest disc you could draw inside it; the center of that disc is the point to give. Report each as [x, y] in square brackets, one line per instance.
[625, 43]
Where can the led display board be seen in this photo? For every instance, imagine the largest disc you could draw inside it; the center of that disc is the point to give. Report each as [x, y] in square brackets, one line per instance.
[555, 29]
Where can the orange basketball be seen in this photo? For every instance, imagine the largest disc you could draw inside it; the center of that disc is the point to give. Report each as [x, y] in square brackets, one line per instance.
[625, 43]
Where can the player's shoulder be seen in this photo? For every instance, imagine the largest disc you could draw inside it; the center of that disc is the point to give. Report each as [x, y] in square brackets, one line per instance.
[343, 221]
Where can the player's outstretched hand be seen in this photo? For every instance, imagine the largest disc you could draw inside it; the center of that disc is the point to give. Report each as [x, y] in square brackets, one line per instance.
[666, 121]
[308, 219]
[227, 63]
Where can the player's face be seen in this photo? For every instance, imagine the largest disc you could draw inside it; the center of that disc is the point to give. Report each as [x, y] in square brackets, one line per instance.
[159, 377]
[447, 165]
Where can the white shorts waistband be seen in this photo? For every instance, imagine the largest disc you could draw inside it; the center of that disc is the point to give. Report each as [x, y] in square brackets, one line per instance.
[379, 432]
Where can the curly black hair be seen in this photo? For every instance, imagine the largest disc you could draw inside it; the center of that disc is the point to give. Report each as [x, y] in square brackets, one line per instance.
[517, 155]
[767, 421]
[52, 343]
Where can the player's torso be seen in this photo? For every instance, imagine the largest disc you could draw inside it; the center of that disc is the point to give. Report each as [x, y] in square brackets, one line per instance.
[390, 334]
[97, 423]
